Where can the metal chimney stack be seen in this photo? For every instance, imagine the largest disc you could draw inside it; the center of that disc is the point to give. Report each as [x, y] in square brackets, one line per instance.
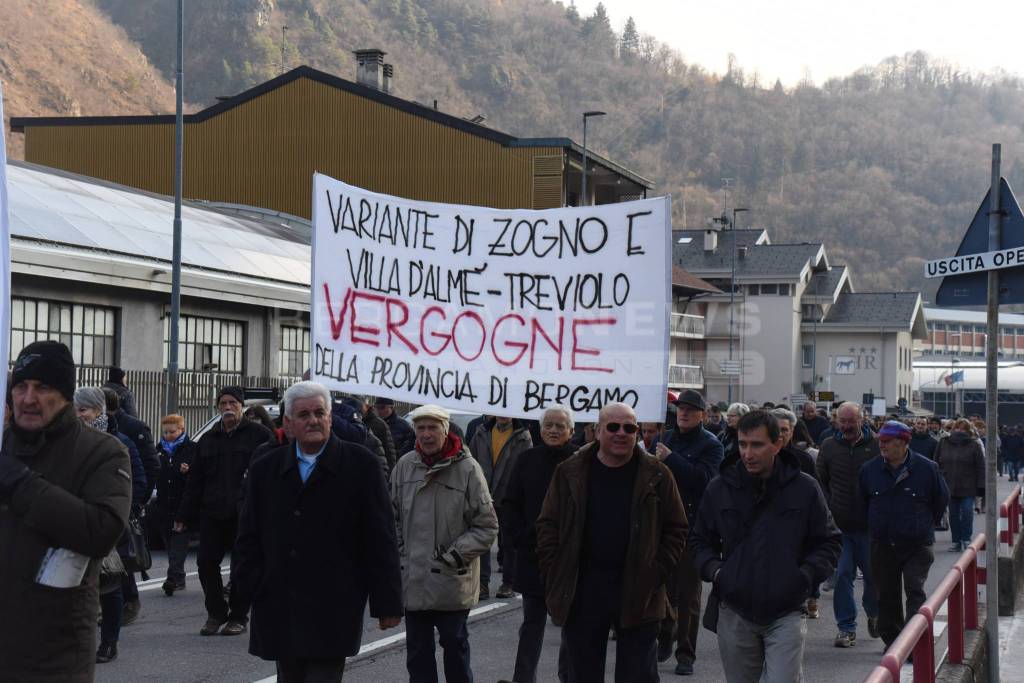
[370, 68]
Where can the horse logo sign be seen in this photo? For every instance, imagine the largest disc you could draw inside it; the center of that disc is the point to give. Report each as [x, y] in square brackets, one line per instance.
[845, 365]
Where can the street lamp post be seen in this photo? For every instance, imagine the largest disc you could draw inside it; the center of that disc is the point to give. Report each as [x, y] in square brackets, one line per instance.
[179, 135]
[732, 287]
[583, 174]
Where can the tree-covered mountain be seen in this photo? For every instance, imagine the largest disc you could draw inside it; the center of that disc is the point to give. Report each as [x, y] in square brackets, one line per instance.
[886, 166]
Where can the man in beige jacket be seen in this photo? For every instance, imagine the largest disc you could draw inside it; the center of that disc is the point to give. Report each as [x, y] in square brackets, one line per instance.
[446, 521]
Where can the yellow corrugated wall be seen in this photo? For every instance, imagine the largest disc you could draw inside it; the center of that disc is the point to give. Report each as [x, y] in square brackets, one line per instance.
[264, 153]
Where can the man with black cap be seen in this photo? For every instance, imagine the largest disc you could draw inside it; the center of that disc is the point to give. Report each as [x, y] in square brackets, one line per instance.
[693, 454]
[212, 496]
[401, 433]
[126, 399]
[65, 492]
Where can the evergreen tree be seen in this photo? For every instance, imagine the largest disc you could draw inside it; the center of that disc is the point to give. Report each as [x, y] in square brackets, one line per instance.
[629, 46]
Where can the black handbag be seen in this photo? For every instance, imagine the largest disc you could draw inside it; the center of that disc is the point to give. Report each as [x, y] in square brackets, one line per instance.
[138, 557]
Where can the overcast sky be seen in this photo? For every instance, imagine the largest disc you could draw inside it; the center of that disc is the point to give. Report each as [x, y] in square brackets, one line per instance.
[784, 38]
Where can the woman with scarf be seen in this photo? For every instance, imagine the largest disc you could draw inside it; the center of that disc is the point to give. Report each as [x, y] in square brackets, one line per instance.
[176, 452]
[961, 460]
[91, 406]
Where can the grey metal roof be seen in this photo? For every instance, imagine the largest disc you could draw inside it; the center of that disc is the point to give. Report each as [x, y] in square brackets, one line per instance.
[824, 283]
[759, 259]
[879, 309]
[66, 209]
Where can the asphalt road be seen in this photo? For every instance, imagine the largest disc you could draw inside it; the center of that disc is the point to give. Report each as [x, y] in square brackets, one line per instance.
[164, 643]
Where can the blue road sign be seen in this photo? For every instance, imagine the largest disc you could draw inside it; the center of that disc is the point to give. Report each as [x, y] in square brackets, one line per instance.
[971, 289]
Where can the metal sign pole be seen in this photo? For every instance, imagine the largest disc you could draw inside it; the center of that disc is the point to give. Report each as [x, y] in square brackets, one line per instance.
[992, 430]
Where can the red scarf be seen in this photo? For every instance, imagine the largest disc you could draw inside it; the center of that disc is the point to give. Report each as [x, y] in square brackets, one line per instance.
[452, 447]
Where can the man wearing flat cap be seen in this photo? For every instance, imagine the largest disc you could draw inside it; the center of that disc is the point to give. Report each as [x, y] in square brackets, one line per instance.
[65, 491]
[211, 500]
[693, 454]
[445, 520]
[903, 497]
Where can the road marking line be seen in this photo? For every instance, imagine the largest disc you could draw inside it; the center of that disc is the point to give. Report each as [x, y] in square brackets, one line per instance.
[153, 584]
[399, 637]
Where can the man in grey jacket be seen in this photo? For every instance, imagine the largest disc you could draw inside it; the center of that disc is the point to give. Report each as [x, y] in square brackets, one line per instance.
[496, 445]
[445, 521]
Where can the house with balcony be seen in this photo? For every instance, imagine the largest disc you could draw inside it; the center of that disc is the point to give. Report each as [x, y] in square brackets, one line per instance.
[784, 312]
[687, 346]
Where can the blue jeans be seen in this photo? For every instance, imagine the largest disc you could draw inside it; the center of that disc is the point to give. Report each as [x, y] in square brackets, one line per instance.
[856, 553]
[961, 518]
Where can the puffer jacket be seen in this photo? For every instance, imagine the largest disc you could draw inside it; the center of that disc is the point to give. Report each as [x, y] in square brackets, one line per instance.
[497, 474]
[961, 460]
[444, 506]
[79, 501]
[657, 537]
[838, 467]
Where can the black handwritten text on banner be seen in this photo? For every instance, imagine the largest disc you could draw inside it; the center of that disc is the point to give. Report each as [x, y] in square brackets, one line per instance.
[492, 311]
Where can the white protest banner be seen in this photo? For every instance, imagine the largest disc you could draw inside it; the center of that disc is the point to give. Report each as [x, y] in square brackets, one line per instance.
[5, 255]
[492, 311]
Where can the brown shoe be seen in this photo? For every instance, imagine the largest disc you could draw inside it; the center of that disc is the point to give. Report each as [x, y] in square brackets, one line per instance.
[212, 626]
[812, 608]
[234, 628]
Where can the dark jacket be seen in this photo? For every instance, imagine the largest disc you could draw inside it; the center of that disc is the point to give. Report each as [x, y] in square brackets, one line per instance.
[140, 487]
[347, 422]
[136, 430]
[523, 499]
[694, 462]
[656, 540]
[498, 473]
[215, 479]
[838, 466]
[310, 554]
[816, 427]
[801, 458]
[170, 483]
[402, 434]
[903, 506]
[125, 397]
[961, 460]
[924, 444]
[380, 429]
[730, 443]
[1013, 448]
[771, 559]
[80, 502]
[715, 427]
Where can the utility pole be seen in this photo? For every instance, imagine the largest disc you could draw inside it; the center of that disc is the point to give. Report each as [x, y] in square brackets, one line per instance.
[995, 226]
[583, 171]
[179, 146]
[732, 282]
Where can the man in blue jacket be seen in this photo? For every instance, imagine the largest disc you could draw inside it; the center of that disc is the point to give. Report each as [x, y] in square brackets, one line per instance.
[903, 496]
[693, 454]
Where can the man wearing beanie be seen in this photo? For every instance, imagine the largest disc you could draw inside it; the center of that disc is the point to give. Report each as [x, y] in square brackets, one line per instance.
[445, 521]
[904, 497]
[65, 491]
[125, 397]
[211, 500]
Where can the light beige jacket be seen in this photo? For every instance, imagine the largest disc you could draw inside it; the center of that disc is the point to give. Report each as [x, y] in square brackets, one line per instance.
[443, 506]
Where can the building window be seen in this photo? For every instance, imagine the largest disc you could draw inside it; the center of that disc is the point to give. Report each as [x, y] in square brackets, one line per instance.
[753, 290]
[769, 289]
[208, 344]
[89, 331]
[294, 351]
[807, 355]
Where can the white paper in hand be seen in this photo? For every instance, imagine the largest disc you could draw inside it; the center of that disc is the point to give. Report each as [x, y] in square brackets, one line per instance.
[62, 568]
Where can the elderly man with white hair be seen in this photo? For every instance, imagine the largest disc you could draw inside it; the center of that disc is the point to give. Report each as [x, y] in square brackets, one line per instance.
[316, 539]
[446, 521]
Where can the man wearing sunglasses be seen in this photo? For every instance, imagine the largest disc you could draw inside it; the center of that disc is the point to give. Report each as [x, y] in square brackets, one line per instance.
[610, 510]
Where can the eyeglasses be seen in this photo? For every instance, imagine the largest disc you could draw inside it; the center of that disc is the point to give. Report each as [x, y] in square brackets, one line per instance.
[627, 427]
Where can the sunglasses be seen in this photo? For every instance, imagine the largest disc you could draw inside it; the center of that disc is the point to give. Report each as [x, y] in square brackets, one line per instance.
[627, 427]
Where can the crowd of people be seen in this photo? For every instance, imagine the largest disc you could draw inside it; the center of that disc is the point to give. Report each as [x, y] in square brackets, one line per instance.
[609, 529]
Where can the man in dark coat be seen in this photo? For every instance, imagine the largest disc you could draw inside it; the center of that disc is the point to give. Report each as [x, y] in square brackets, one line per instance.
[212, 496]
[401, 432]
[693, 454]
[126, 399]
[65, 493]
[380, 429]
[815, 423]
[922, 442]
[764, 537]
[316, 539]
[904, 497]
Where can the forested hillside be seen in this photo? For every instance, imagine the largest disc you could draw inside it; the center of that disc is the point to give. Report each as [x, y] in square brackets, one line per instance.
[885, 166]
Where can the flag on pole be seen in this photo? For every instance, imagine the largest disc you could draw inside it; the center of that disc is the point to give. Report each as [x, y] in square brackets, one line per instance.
[954, 377]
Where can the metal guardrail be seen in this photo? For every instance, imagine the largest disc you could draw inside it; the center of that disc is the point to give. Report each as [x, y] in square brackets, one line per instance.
[688, 325]
[1009, 521]
[687, 375]
[959, 590]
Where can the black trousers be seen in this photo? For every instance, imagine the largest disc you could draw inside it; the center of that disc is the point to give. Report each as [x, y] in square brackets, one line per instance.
[310, 670]
[506, 558]
[895, 570]
[684, 590]
[531, 641]
[419, 650]
[216, 538]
